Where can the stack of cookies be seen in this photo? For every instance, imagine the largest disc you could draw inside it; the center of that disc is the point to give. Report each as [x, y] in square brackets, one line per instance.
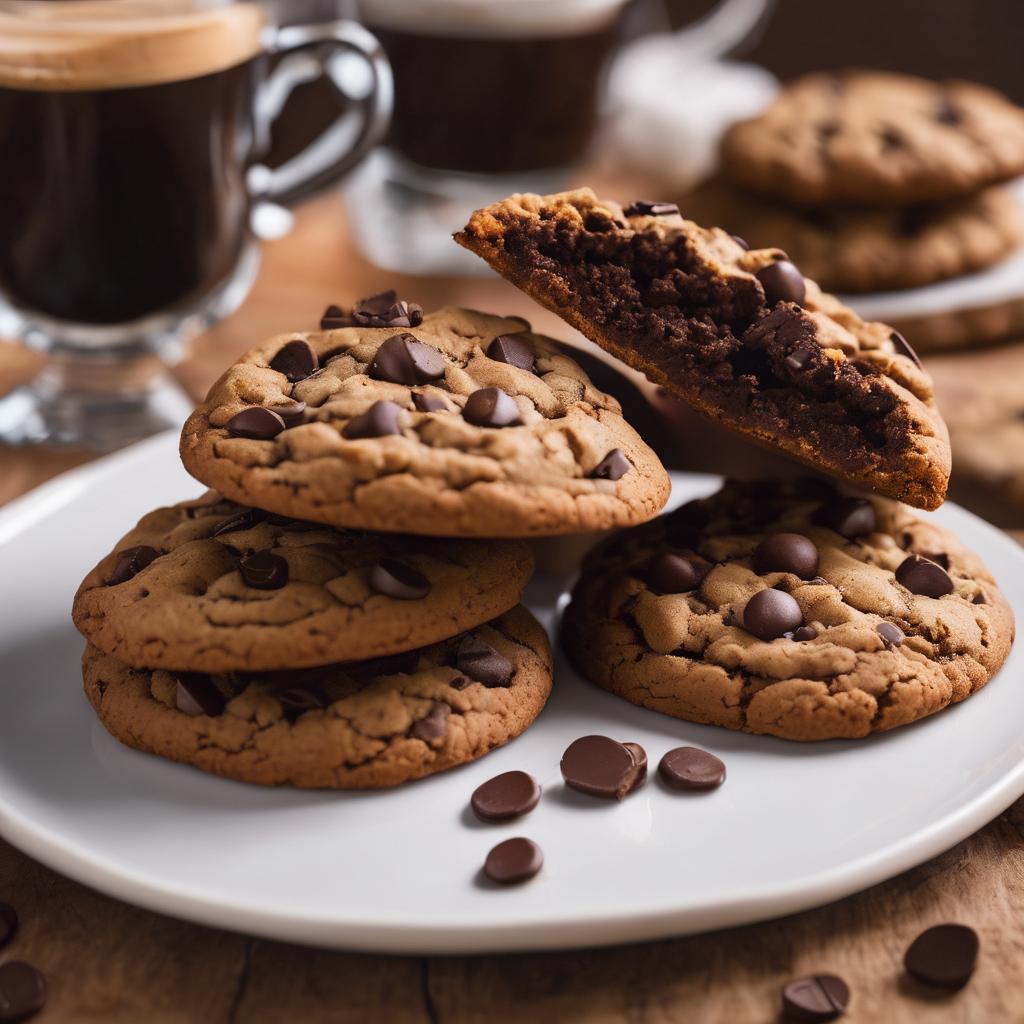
[807, 610]
[873, 181]
[343, 610]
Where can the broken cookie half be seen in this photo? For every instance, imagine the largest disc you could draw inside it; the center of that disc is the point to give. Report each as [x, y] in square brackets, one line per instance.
[738, 334]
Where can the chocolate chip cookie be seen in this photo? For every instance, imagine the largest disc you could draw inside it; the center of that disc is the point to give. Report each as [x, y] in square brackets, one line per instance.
[869, 250]
[362, 725]
[738, 334]
[461, 424]
[789, 609]
[213, 586]
[878, 139]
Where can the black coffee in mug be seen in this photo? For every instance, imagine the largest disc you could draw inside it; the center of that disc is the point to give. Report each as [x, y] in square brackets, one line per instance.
[127, 140]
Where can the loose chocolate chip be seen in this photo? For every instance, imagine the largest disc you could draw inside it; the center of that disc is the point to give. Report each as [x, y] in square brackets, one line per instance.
[890, 633]
[804, 633]
[297, 700]
[516, 351]
[480, 661]
[386, 310]
[506, 796]
[22, 991]
[691, 768]
[8, 923]
[800, 359]
[296, 360]
[263, 570]
[245, 519]
[429, 403]
[380, 420]
[293, 413]
[515, 860]
[491, 407]
[614, 466]
[944, 956]
[130, 563]
[639, 756]
[741, 242]
[849, 517]
[787, 552]
[650, 208]
[815, 1000]
[404, 360]
[770, 614]
[335, 317]
[601, 767]
[902, 346]
[434, 725]
[395, 579]
[782, 282]
[195, 694]
[256, 423]
[922, 576]
[674, 574]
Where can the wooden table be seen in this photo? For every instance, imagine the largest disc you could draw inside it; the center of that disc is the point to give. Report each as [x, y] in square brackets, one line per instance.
[107, 961]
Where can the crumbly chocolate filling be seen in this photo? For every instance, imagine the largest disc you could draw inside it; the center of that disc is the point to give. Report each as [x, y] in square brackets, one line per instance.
[709, 336]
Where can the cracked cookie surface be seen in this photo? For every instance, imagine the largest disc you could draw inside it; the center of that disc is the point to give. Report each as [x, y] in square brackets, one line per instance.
[862, 652]
[866, 250]
[530, 463]
[739, 335]
[339, 727]
[344, 594]
[878, 139]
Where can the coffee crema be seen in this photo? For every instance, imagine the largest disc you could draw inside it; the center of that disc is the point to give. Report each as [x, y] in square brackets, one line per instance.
[76, 45]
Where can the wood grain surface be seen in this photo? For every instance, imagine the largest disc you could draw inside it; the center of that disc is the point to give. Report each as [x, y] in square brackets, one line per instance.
[109, 962]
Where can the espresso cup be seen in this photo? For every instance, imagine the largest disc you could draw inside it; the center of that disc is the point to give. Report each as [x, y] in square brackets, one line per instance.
[134, 131]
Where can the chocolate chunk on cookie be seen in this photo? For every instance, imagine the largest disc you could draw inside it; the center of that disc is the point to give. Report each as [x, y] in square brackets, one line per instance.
[226, 588]
[861, 647]
[878, 139]
[343, 726]
[729, 331]
[459, 424]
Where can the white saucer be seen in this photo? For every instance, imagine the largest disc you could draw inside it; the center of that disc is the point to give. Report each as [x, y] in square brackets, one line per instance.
[794, 826]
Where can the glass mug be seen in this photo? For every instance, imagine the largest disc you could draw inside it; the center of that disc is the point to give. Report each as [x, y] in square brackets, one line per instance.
[134, 130]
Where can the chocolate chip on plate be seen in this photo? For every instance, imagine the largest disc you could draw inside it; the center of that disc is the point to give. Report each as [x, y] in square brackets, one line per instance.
[787, 552]
[890, 633]
[491, 407]
[513, 861]
[380, 420]
[429, 403]
[771, 613]
[943, 956]
[433, 725]
[614, 466]
[849, 517]
[922, 576]
[130, 563]
[263, 570]
[401, 359]
[335, 317]
[674, 574]
[650, 208]
[296, 360]
[392, 578]
[511, 349]
[244, 519]
[196, 694]
[256, 423]
[385, 309]
[691, 768]
[480, 661]
[8, 923]
[903, 347]
[639, 756]
[782, 282]
[22, 991]
[602, 767]
[816, 999]
[506, 796]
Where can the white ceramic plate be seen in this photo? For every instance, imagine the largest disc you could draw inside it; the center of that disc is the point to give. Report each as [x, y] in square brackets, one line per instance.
[794, 825]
